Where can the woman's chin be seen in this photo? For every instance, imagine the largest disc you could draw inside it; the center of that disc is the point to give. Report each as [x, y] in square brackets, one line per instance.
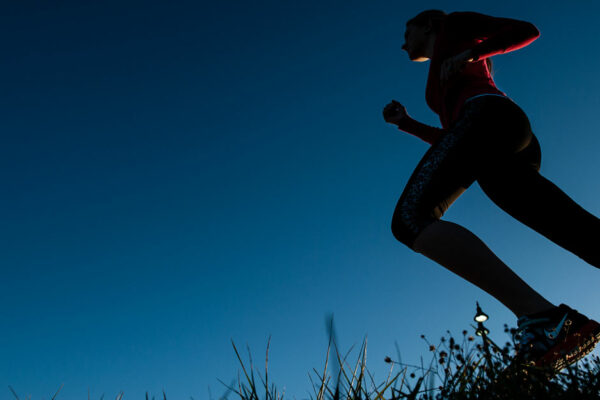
[420, 59]
[414, 57]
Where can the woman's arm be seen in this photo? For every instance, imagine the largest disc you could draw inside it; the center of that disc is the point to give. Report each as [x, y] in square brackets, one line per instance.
[495, 35]
[424, 132]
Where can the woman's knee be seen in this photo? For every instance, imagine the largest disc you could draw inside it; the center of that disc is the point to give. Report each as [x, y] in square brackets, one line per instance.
[406, 227]
[411, 216]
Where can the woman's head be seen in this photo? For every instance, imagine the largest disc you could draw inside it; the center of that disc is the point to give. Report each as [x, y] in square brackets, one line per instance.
[435, 18]
[420, 34]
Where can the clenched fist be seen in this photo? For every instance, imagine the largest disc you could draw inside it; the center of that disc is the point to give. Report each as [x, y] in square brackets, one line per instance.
[394, 113]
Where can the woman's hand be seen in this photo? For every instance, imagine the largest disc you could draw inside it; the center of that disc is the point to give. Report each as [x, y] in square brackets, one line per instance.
[455, 64]
[395, 113]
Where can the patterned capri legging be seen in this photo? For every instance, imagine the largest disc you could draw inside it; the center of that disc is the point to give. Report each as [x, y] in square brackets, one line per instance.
[492, 143]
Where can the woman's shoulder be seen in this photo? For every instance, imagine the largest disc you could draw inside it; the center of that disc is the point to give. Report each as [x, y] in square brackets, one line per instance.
[462, 20]
[458, 16]
[478, 23]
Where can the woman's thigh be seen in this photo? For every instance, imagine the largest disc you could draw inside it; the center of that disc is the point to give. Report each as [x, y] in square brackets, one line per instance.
[519, 189]
[476, 142]
[515, 181]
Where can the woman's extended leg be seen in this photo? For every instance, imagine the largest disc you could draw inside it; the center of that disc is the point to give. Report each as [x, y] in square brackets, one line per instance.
[519, 189]
[443, 174]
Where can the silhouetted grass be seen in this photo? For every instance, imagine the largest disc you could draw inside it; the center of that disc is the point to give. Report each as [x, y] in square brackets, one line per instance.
[470, 368]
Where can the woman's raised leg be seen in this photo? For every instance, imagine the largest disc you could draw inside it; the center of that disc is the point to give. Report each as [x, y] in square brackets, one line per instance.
[444, 173]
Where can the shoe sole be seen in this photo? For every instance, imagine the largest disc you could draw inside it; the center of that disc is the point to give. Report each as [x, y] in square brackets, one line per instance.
[573, 348]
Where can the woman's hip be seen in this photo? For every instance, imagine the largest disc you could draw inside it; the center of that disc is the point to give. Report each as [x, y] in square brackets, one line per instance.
[493, 123]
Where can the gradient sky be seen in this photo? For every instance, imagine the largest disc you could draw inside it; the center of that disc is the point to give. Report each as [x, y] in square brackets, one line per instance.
[179, 174]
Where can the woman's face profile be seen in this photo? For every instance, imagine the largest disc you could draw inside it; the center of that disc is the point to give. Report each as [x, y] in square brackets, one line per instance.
[415, 41]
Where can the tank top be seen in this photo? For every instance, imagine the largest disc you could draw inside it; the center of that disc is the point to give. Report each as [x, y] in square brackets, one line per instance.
[485, 36]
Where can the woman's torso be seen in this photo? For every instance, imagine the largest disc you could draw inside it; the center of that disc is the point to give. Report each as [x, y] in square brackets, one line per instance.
[447, 99]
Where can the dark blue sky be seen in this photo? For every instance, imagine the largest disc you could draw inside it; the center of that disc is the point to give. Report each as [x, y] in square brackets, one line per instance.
[179, 174]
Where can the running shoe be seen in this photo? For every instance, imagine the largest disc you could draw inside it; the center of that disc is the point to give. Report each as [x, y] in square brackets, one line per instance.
[556, 338]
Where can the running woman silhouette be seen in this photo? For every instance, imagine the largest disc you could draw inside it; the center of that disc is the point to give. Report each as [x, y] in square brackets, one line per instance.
[486, 137]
